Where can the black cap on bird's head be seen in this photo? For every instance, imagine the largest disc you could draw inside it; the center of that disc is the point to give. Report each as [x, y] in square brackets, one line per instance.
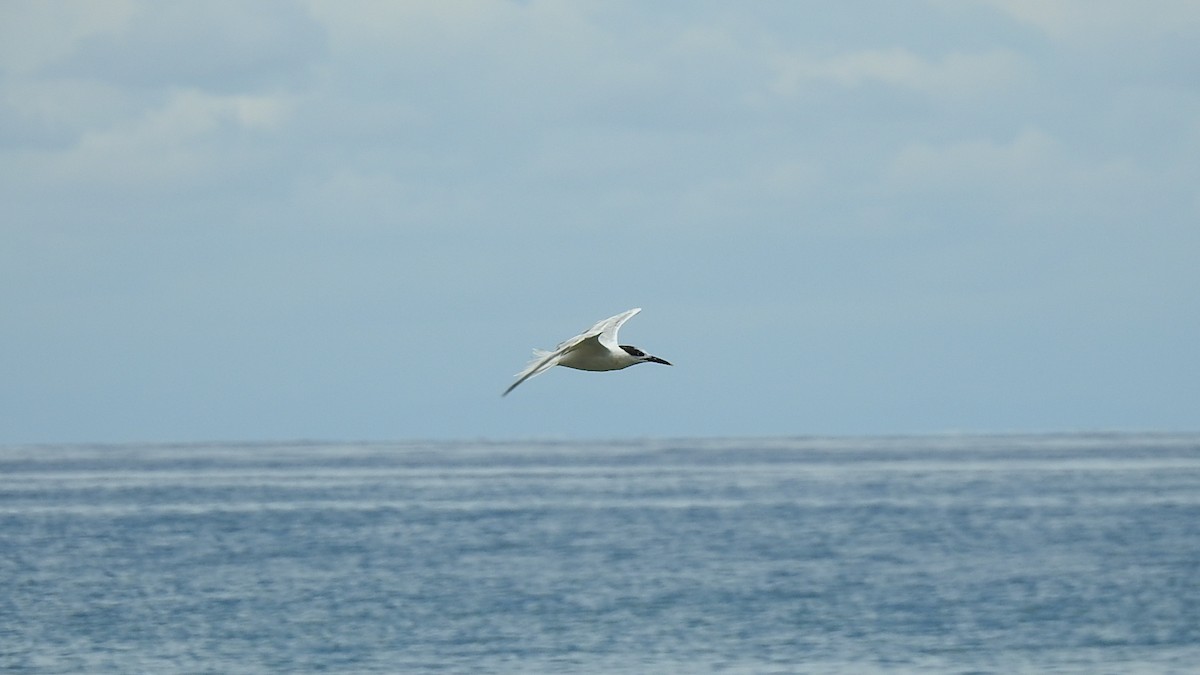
[635, 352]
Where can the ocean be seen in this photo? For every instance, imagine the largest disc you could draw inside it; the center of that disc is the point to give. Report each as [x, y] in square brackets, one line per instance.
[1068, 553]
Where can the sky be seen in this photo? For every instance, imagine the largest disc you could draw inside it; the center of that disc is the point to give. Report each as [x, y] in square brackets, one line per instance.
[353, 219]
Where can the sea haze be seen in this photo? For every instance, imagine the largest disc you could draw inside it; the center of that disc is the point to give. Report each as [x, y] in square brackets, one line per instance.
[1062, 553]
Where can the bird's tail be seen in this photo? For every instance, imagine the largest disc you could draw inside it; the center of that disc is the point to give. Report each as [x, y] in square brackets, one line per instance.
[542, 361]
[538, 356]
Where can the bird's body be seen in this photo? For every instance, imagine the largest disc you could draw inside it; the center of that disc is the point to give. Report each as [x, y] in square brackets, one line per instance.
[595, 349]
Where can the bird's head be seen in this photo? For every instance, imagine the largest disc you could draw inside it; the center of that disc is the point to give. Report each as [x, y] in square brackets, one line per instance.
[642, 356]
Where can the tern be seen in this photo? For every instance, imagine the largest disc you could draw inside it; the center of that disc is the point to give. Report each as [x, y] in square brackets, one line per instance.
[594, 349]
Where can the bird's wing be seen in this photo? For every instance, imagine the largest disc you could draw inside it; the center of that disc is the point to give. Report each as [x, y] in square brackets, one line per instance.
[542, 361]
[604, 332]
[607, 329]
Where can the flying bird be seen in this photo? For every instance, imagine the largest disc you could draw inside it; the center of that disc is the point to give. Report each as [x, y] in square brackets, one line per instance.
[594, 349]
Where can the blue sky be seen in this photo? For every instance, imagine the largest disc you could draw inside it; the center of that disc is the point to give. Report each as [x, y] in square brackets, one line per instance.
[353, 220]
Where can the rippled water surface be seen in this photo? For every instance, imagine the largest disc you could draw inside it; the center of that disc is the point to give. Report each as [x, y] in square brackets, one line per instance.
[1067, 553]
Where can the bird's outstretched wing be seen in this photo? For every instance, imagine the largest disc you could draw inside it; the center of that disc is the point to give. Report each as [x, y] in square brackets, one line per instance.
[605, 332]
[607, 329]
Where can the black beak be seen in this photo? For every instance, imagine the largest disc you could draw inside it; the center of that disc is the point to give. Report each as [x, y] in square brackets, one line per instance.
[655, 359]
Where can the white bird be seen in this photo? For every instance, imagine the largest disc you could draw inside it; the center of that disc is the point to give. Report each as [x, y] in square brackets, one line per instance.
[594, 349]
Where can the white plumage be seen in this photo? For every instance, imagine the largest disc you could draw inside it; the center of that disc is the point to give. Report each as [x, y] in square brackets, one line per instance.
[594, 349]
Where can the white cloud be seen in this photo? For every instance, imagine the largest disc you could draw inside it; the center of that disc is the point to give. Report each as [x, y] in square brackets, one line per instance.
[441, 32]
[219, 45]
[954, 75]
[1101, 21]
[1026, 159]
[1036, 182]
[34, 34]
[168, 146]
[1032, 165]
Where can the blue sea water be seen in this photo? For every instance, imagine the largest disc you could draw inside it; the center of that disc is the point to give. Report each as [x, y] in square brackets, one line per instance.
[945, 554]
